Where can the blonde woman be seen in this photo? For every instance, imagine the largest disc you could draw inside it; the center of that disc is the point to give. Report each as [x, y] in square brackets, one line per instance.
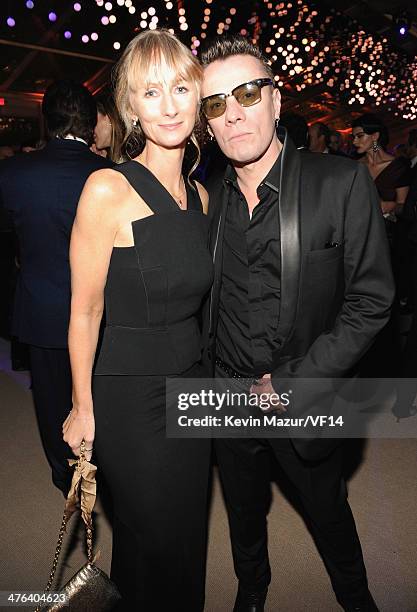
[139, 243]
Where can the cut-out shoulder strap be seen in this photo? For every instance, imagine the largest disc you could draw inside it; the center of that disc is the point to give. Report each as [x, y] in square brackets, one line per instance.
[148, 187]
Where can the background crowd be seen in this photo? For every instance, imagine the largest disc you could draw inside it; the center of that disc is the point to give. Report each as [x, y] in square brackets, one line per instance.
[393, 169]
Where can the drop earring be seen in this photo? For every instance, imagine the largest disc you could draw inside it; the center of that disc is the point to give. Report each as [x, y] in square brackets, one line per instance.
[211, 135]
[135, 122]
[375, 146]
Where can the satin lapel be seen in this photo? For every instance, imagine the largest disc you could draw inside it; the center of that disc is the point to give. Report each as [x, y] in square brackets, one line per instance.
[216, 246]
[289, 222]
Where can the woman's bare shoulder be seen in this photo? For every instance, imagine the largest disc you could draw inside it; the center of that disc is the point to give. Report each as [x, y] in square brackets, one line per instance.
[107, 183]
[103, 197]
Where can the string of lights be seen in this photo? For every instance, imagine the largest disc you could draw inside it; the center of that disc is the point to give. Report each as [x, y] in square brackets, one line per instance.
[306, 45]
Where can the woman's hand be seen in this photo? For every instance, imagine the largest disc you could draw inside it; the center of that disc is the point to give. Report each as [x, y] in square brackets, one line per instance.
[78, 426]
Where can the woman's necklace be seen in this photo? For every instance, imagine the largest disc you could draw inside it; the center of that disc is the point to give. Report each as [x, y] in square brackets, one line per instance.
[181, 199]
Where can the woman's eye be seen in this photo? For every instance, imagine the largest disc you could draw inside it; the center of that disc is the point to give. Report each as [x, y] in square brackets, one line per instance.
[150, 93]
[181, 89]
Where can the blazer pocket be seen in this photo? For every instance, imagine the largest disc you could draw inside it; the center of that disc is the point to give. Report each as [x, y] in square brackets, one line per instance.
[323, 255]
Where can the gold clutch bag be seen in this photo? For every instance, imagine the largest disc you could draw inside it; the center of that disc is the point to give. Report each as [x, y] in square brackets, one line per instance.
[90, 588]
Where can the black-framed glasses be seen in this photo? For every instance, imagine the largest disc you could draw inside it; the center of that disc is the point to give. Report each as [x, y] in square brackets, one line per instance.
[246, 94]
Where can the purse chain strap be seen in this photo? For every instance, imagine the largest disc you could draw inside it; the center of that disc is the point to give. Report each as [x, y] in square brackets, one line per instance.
[89, 540]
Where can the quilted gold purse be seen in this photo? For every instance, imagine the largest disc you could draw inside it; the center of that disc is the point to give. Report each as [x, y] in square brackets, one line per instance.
[90, 588]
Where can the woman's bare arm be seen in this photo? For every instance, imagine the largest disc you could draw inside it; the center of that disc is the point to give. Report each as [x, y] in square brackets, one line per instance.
[93, 235]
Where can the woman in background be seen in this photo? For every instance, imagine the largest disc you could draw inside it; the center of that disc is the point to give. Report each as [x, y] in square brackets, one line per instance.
[109, 132]
[139, 240]
[391, 174]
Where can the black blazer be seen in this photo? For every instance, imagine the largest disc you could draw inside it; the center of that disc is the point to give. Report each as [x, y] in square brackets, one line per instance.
[41, 190]
[333, 300]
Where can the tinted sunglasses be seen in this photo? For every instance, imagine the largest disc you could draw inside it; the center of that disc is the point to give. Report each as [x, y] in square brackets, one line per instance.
[246, 94]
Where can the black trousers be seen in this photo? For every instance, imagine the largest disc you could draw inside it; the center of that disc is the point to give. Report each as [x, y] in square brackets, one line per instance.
[52, 389]
[244, 466]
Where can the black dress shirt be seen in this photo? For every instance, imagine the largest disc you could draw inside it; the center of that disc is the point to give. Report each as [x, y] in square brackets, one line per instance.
[250, 291]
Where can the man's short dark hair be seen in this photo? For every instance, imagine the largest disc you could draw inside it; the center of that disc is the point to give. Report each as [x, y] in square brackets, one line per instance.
[296, 127]
[226, 46]
[69, 108]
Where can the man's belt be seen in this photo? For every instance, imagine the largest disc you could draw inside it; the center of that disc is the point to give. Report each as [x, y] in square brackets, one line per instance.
[250, 380]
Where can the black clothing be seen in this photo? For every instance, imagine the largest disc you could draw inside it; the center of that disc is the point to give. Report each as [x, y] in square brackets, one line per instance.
[250, 291]
[397, 174]
[41, 192]
[320, 486]
[52, 396]
[336, 282]
[407, 390]
[245, 475]
[158, 485]
[159, 490]
[336, 291]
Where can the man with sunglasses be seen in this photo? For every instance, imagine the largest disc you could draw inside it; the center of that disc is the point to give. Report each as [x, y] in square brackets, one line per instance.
[301, 288]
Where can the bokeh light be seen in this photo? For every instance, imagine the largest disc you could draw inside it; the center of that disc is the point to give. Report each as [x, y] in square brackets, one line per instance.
[306, 45]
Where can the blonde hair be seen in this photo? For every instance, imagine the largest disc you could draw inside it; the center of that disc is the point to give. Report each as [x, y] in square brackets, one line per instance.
[153, 56]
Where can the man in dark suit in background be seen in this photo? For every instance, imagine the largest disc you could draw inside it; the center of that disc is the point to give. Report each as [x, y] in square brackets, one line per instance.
[41, 191]
[319, 137]
[302, 285]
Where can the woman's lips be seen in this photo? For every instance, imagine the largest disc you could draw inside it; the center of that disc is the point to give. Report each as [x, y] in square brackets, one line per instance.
[170, 126]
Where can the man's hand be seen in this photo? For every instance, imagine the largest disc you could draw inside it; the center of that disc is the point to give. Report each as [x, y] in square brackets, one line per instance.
[263, 388]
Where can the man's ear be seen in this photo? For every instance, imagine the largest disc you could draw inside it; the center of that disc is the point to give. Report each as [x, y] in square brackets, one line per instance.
[276, 99]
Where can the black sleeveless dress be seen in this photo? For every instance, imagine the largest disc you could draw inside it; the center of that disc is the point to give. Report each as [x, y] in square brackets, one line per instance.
[158, 485]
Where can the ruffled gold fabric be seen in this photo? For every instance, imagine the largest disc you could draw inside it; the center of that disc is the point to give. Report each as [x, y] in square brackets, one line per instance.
[83, 491]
